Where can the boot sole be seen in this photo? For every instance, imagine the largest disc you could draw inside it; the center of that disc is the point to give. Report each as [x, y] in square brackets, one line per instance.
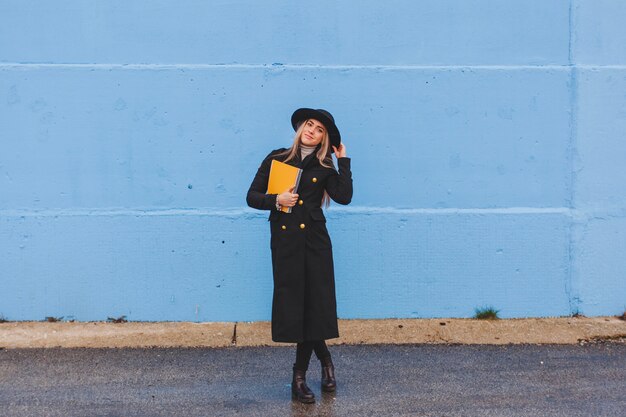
[329, 389]
[302, 400]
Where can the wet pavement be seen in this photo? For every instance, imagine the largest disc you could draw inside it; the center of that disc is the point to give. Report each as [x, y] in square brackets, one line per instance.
[374, 380]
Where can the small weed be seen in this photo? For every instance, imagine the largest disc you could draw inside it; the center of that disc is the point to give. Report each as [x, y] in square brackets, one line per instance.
[577, 314]
[121, 319]
[50, 319]
[3, 319]
[623, 316]
[486, 313]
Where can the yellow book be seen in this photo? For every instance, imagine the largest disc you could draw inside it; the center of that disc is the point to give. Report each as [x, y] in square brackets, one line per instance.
[282, 178]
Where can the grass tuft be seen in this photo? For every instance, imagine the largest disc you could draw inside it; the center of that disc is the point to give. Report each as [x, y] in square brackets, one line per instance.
[50, 319]
[623, 316]
[3, 319]
[121, 319]
[486, 313]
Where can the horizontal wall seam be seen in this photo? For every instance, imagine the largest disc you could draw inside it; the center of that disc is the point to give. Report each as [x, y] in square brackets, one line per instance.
[7, 65]
[245, 212]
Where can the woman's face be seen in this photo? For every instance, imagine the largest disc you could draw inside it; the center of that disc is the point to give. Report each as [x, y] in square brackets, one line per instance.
[313, 133]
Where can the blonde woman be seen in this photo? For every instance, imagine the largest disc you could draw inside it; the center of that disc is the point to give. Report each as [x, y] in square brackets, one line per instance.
[304, 309]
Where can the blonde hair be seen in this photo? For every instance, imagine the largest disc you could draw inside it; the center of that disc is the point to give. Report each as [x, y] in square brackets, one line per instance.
[323, 154]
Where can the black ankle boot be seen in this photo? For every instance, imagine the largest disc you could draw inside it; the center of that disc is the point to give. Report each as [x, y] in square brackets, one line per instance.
[299, 389]
[329, 384]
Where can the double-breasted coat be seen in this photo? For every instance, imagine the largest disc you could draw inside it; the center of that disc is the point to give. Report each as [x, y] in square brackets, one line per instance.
[303, 306]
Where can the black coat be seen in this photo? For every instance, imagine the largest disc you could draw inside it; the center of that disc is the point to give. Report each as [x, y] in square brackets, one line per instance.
[303, 306]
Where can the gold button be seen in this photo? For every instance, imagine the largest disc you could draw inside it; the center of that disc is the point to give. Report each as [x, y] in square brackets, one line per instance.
[301, 202]
[302, 226]
[314, 179]
[283, 227]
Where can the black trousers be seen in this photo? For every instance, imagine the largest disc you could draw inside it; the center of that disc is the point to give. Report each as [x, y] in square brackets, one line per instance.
[304, 351]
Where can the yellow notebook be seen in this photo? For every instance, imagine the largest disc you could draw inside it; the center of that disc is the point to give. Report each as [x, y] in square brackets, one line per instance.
[282, 178]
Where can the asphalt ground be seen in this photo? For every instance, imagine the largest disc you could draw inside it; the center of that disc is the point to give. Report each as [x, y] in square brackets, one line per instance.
[373, 380]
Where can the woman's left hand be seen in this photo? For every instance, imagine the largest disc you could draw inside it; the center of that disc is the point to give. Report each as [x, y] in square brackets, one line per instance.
[341, 151]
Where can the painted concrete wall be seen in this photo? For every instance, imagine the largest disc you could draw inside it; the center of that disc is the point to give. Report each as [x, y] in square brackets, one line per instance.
[599, 198]
[487, 140]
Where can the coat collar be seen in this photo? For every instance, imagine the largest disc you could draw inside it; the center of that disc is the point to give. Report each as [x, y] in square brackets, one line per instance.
[297, 161]
[311, 157]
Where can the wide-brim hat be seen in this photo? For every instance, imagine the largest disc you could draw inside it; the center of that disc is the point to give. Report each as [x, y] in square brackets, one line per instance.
[323, 117]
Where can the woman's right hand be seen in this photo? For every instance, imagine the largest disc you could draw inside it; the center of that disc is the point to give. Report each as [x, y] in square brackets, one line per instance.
[287, 199]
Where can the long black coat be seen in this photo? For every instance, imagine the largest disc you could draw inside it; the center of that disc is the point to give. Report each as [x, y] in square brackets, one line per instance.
[303, 306]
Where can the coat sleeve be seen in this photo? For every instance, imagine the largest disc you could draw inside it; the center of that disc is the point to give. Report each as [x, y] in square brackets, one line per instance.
[256, 197]
[339, 185]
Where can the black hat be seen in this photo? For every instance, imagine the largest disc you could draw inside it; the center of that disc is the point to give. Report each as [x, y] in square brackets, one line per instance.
[323, 117]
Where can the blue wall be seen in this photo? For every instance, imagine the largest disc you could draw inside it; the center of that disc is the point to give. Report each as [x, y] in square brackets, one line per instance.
[487, 140]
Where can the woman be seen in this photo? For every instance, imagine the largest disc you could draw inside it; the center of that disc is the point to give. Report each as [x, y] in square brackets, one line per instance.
[304, 309]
